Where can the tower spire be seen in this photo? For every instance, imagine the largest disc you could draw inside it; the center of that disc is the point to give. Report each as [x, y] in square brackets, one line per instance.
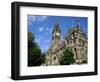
[78, 23]
[56, 26]
[56, 21]
[56, 35]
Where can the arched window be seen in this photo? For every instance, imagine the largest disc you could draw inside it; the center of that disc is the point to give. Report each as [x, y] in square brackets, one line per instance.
[54, 58]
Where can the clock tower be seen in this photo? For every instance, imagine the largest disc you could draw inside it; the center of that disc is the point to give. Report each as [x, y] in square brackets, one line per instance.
[56, 36]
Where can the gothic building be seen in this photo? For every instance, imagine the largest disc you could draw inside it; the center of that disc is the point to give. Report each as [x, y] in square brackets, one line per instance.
[75, 40]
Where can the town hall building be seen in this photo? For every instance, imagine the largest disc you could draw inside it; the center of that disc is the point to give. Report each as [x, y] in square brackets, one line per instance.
[75, 40]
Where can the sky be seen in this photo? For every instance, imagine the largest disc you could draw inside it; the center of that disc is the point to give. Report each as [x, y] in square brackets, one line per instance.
[42, 27]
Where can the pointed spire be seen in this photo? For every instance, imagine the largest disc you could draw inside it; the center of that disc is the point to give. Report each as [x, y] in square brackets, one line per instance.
[56, 21]
[78, 23]
[56, 26]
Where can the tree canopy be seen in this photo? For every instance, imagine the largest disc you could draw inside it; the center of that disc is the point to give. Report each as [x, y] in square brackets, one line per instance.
[35, 57]
[67, 58]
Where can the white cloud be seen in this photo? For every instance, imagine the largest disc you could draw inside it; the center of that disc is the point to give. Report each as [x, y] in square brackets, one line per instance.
[47, 40]
[32, 19]
[46, 46]
[41, 29]
[41, 18]
[37, 40]
[48, 29]
[45, 29]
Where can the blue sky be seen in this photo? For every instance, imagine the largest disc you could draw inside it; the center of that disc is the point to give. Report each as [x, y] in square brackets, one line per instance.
[42, 26]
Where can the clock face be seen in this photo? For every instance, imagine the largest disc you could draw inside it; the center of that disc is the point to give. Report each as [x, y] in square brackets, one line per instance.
[58, 34]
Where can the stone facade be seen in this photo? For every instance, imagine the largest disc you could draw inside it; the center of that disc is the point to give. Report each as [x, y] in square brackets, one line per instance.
[76, 40]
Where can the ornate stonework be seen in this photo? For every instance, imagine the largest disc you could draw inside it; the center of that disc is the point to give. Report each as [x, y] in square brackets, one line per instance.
[76, 40]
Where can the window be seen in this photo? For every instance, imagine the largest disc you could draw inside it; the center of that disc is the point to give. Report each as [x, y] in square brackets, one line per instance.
[54, 58]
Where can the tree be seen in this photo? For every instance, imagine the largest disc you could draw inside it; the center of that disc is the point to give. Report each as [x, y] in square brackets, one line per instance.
[34, 52]
[43, 59]
[67, 58]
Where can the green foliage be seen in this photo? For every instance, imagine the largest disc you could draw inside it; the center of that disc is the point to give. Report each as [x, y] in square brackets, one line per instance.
[35, 57]
[43, 57]
[67, 58]
[30, 37]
